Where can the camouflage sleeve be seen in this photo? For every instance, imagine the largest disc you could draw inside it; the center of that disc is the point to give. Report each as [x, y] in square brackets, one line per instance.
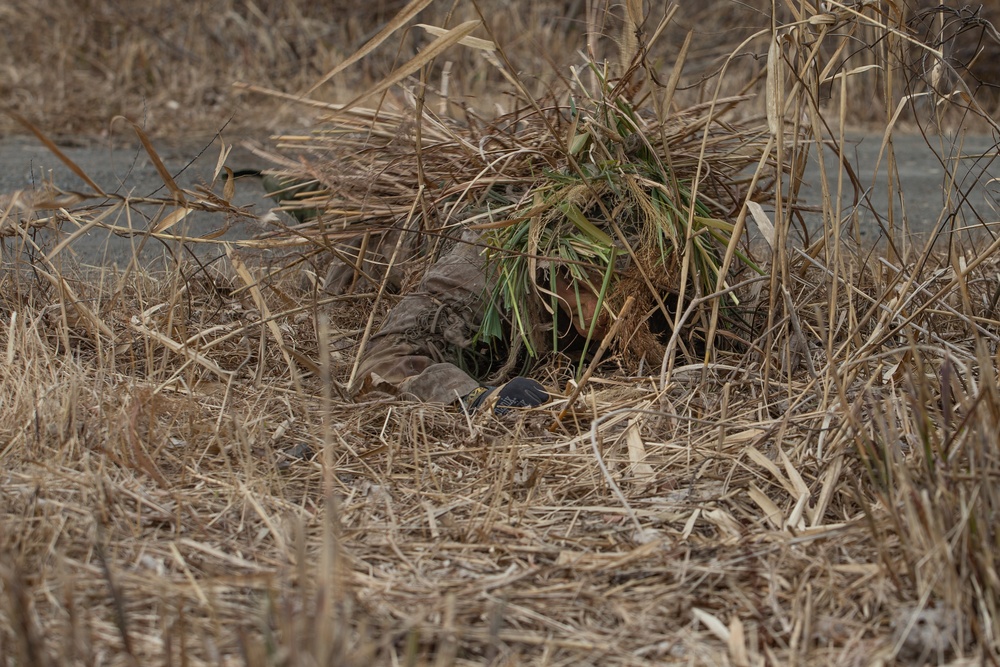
[416, 348]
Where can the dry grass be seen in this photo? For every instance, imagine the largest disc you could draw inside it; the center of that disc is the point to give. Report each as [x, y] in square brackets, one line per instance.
[71, 65]
[171, 67]
[185, 482]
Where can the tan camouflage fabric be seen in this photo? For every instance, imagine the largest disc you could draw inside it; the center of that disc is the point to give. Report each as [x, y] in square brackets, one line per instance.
[415, 349]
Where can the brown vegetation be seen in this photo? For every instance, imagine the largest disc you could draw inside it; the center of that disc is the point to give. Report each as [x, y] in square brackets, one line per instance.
[184, 480]
[72, 65]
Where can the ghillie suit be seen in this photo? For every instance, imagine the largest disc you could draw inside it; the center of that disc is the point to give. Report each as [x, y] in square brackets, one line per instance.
[525, 233]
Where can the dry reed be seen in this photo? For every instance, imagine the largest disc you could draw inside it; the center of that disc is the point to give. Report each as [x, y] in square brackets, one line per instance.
[184, 480]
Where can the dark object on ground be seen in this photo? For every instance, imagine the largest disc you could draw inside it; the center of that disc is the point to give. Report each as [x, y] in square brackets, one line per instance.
[300, 452]
[521, 392]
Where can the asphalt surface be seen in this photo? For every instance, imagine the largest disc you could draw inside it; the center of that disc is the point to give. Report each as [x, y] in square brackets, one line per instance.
[957, 175]
[126, 169]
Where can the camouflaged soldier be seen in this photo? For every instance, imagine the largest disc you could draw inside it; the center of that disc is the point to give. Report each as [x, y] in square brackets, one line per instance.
[418, 345]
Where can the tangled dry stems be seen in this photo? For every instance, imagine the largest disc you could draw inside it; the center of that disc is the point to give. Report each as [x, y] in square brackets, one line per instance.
[157, 512]
[185, 482]
[73, 65]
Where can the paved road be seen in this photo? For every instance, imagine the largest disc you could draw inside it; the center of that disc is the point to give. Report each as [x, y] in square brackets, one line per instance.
[922, 173]
[24, 162]
[126, 169]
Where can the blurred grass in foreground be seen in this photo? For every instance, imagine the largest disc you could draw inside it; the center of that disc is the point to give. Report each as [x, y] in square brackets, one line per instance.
[71, 65]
